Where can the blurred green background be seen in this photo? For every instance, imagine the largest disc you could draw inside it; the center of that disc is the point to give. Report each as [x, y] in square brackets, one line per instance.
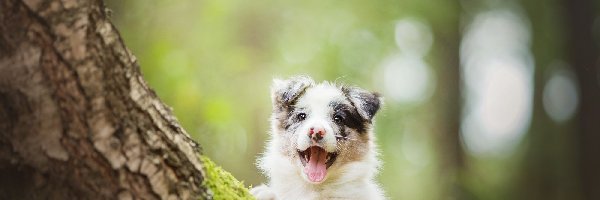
[484, 99]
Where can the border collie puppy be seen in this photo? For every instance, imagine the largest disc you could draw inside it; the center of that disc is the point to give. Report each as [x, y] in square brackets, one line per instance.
[322, 144]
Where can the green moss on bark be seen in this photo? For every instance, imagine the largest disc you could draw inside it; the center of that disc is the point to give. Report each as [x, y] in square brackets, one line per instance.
[221, 183]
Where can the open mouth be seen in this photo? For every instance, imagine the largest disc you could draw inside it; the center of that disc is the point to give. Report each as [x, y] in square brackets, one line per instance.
[316, 161]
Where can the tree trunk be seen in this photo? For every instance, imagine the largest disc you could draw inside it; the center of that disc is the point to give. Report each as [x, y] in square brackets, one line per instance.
[584, 56]
[451, 156]
[77, 121]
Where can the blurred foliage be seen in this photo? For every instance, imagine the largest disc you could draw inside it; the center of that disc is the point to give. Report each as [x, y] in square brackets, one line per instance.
[213, 62]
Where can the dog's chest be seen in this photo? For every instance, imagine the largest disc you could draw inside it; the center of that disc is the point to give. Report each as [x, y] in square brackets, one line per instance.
[345, 191]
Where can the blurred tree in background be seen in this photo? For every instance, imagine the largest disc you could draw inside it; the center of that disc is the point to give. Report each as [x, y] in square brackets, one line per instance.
[484, 99]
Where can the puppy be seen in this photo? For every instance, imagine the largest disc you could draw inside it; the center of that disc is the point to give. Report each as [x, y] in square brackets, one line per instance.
[322, 144]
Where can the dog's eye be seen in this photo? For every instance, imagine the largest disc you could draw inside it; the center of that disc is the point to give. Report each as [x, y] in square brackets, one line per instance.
[338, 119]
[301, 116]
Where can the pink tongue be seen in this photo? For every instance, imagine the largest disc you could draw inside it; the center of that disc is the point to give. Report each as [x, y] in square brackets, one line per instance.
[316, 168]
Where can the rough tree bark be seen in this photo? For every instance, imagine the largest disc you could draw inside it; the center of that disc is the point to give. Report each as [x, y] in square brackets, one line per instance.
[77, 121]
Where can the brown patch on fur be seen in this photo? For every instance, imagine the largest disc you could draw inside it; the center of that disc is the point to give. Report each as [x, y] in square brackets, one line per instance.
[354, 148]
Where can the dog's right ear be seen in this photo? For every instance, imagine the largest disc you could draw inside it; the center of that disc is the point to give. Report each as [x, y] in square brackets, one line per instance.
[285, 92]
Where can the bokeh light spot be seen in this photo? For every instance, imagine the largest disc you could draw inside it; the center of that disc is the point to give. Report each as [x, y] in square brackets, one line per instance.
[406, 76]
[407, 79]
[561, 95]
[413, 36]
[497, 71]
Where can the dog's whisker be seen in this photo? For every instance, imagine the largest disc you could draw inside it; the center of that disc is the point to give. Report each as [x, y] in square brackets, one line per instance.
[341, 137]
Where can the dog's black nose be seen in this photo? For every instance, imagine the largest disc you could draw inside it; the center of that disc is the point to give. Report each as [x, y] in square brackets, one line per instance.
[316, 134]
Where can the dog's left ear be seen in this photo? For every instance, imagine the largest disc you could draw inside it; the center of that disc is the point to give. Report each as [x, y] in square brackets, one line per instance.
[367, 103]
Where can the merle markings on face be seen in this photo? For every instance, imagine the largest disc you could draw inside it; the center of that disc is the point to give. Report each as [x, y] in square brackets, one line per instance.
[322, 125]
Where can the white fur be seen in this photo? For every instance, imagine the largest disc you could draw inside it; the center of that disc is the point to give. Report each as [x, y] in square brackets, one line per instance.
[287, 179]
[352, 181]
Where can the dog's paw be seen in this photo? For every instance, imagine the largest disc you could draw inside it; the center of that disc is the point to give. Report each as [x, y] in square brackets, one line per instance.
[263, 192]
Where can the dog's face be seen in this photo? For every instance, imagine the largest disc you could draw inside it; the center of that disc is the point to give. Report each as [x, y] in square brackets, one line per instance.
[322, 127]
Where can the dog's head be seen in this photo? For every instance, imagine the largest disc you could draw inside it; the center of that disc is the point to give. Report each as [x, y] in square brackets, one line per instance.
[322, 127]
